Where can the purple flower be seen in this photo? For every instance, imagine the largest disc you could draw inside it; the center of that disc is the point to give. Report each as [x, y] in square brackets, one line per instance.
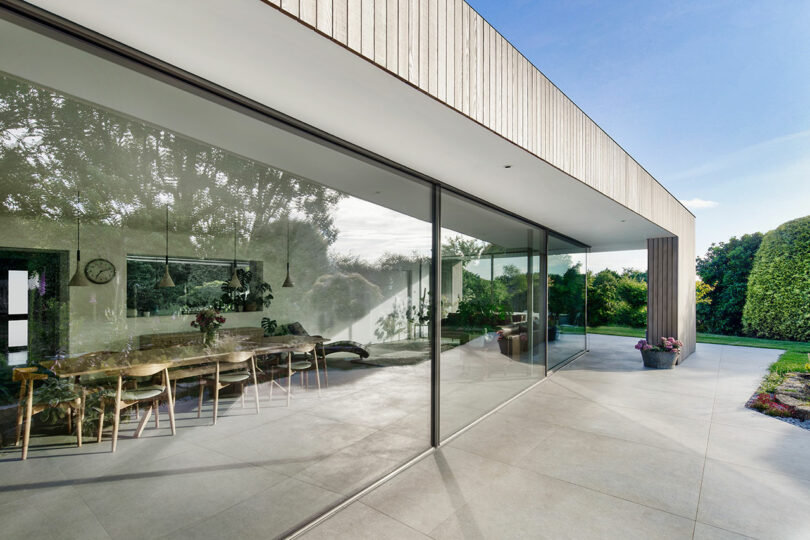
[42, 286]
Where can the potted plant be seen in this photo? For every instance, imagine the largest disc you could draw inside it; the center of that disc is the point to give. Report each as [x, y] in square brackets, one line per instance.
[208, 321]
[553, 328]
[661, 356]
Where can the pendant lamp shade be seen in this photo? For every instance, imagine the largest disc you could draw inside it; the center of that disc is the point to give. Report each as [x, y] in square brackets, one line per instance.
[288, 280]
[78, 279]
[234, 283]
[166, 281]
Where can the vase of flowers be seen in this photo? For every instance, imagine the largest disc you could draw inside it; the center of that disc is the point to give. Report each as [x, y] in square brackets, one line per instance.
[208, 321]
[665, 355]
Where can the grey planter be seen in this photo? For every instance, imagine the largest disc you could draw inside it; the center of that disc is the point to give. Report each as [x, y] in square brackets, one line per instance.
[659, 359]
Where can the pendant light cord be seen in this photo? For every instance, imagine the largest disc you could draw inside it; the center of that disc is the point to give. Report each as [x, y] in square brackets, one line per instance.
[167, 235]
[78, 229]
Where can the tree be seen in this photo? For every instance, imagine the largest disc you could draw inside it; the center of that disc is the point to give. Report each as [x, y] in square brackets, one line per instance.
[778, 301]
[602, 297]
[703, 303]
[726, 268]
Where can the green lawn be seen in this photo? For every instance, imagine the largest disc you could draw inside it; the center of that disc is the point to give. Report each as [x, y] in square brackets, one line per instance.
[793, 359]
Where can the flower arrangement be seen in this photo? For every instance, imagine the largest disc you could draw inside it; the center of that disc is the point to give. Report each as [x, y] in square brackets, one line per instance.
[765, 403]
[208, 321]
[664, 345]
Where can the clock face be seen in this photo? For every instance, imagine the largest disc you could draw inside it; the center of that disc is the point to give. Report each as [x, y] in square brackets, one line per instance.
[99, 271]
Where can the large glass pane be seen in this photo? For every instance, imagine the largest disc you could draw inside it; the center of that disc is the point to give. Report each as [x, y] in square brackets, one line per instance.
[492, 332]
[567, 266]
[315, 379]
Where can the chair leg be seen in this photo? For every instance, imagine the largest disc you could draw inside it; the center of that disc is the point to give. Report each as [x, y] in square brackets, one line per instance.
[156, 406]
[80, 419]
[20, 413]
[255, 382]
[69, 415]
[325, 371]
[29, 405]
[200, 398]
[170, 404]
[216, 393]
[117, 417]
[242, 393]
[289, 377]
[144, 420]
[317, 375]
[100, 420]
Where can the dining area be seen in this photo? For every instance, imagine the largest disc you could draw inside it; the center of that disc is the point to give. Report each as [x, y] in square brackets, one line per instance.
[142, 384]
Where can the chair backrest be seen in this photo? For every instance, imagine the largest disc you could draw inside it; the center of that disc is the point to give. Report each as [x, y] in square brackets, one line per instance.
[144, 370]
[237, 356]
[27, 374]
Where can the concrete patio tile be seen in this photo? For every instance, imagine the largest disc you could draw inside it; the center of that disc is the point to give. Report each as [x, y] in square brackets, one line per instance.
[359, 464]
[707, 532]
[428, 492]
[522, 504]
[282, 507]
[184, 488]
[362, 522]
[753, 502]
[783, 452]
[663, 479]
[51, 513]
[699, 407]
[505, 438]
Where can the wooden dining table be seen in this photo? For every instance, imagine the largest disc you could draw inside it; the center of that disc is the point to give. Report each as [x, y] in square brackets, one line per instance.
[185, 361]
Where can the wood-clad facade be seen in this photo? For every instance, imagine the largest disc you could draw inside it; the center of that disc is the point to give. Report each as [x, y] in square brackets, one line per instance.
[447, 50]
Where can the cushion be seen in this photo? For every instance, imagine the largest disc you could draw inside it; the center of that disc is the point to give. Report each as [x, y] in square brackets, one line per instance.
[296, 329]
[302, 364]
[231, 376]
[145, 392]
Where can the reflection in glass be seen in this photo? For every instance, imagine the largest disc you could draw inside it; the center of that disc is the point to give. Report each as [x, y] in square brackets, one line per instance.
[361, 268]
[492, 335]
[566, 300]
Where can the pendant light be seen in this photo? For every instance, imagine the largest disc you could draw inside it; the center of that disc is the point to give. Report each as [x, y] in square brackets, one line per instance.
[78, 279]
[235, 283]
[166, 281]
[288, 281]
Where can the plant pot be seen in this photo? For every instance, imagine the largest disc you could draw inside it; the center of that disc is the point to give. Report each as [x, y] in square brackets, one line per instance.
[659, 359]
[251, 306]
[553, 333]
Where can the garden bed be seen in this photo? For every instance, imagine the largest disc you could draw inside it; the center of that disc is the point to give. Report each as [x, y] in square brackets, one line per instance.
[785, 396]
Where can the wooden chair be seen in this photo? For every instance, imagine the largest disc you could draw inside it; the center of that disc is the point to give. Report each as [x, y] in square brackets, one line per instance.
[127, 397]
[300, 367]
[235, 368]
[26, 377]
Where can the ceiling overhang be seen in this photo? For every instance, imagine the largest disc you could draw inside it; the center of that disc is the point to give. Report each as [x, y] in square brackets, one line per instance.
[266, 56]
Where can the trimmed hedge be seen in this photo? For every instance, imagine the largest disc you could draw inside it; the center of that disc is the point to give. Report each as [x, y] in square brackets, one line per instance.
[777, 305]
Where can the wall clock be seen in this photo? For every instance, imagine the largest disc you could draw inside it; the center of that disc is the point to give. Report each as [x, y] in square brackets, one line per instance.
[100, 271]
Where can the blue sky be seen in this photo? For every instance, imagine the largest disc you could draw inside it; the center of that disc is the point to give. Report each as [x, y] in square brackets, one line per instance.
[711, 97]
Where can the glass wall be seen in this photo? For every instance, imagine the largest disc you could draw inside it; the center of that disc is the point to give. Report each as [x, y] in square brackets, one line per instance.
[273, 305]
[492, 332]
[217, 309]
[567, 266]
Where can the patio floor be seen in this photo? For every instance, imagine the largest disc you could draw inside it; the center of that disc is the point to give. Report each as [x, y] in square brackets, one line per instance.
[607, 449]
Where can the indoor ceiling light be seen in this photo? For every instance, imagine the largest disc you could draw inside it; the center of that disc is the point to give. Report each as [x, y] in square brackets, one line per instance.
[166, 281]
[235, 283]
[78, 279]
[288, 281]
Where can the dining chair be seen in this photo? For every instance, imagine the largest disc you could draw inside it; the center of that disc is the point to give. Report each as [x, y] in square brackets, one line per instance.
[128, 394]
[235, 368]
[35, 404]
[301, 366]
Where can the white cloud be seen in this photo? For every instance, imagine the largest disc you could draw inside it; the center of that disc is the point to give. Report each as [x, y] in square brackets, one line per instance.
[697, 203]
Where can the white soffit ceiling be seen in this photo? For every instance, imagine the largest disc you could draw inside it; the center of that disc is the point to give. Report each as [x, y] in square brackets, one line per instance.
[255, 50]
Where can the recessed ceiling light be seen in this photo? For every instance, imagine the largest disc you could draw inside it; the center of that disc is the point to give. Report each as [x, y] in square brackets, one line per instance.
[377, 192]
[624, 221]
[507, 166]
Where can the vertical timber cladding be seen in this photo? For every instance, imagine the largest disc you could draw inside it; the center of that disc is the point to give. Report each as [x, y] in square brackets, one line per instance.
[447, 50]
[662, 288]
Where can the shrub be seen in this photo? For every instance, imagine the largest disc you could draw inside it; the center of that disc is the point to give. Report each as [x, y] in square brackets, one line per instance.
[602, 298]
[725, 270]
[631, 316]
[632, 291]
[778, 299]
